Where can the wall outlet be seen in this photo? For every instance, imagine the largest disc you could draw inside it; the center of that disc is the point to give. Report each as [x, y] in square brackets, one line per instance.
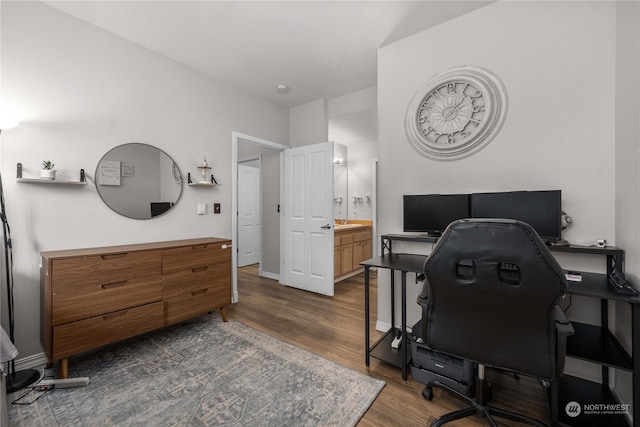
[216, 208]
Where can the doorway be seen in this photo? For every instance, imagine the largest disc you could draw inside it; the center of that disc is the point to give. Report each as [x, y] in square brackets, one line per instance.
[249, 212]
[244, 147]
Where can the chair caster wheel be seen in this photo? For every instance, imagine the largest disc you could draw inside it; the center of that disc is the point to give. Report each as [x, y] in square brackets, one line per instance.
[427, 392]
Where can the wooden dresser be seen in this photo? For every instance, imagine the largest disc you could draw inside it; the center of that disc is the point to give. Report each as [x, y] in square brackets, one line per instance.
[97, 296]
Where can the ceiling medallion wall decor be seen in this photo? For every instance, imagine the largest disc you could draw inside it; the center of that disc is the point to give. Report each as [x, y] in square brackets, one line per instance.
[456, 113]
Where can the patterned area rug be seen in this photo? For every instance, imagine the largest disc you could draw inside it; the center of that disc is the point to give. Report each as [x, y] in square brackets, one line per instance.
[204, 372]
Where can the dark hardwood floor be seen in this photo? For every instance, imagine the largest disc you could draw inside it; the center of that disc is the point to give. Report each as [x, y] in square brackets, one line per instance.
[333, 327]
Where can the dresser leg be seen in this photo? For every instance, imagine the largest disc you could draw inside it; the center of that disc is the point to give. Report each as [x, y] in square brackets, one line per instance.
[223, 313]
[63, 368]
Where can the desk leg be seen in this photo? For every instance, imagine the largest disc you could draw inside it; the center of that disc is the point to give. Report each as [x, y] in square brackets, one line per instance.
[404, 325]
[393, 298]
[366, 314]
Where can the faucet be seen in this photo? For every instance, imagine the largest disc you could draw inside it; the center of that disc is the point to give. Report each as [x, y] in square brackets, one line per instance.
[344, 221]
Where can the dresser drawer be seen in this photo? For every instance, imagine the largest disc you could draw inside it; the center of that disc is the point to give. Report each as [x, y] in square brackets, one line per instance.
[76, 337]
[187, 281]
[194, 303]
[75, 274]
[194, 256]
[93, 300]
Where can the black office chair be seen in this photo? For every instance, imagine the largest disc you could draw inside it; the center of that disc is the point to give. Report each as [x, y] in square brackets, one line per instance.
[490, 296]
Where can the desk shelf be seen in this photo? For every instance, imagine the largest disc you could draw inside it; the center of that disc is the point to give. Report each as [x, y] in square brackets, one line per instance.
[573, 389]
[595, 344]
[382, 349]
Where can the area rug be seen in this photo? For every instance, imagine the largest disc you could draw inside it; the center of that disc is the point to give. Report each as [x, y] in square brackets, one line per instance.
[204, 372]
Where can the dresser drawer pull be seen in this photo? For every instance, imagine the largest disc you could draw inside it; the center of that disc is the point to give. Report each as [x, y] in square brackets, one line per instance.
[199, 269]
[113, 285]
[113, 256]
[114, 315]
[200, 292]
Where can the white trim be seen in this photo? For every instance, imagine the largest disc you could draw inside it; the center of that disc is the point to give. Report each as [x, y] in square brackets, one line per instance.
[31, 362]
[374, 208]
[346, 276]
[268, 275]
[384, 327]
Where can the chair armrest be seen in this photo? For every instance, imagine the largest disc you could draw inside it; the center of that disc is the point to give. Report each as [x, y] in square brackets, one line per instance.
[564, 328]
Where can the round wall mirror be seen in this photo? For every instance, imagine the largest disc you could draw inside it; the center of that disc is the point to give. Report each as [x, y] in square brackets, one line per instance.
[138, 180]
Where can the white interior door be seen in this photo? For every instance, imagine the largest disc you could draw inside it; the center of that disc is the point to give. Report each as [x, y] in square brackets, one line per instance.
[249, 217]
[307, 237]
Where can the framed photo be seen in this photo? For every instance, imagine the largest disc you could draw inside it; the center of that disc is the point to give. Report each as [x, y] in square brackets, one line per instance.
[127, 170]
[109, 173]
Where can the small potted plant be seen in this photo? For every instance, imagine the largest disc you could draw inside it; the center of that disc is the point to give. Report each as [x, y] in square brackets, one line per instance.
[47, 171]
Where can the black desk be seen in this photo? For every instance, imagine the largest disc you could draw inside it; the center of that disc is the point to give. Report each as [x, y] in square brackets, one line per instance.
[382, 349]
[593, 344]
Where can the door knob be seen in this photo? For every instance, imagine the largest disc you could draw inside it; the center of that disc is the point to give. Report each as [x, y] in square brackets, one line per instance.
[326, 227]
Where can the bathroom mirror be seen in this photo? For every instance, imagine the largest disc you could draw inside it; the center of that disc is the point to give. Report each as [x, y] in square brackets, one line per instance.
[138, 180]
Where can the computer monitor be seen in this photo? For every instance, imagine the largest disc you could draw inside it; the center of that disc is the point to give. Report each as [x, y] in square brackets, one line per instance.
[540, 209]
[431, 213]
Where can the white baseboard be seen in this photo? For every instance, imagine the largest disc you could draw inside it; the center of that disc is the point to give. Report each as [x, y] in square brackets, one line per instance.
[346, 276]
[384, 327]
[268, 275]
[35, 361]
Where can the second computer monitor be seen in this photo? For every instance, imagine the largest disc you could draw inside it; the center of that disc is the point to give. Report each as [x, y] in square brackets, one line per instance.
[540, 209]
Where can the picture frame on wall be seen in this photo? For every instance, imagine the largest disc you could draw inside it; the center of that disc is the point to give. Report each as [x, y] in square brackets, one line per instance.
[109, 172]
[127, 170]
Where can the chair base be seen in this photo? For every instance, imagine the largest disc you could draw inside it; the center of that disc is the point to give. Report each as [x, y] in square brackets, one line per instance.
[478, 408]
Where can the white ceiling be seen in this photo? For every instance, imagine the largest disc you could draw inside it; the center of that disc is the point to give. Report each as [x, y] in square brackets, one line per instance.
[320, 49]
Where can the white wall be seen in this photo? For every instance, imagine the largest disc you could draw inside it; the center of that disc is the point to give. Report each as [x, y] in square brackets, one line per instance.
[82, 91]
[308, 123]
[558, 63]
[627, 140]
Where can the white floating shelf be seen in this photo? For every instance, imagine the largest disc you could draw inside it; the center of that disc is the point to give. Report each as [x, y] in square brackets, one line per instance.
[49, 181]
[19, 178]
[203, 184]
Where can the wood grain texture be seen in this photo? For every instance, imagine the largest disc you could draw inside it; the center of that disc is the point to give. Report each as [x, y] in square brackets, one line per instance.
[351, 246]
[333, 327]
[97, 296]
[76, 337]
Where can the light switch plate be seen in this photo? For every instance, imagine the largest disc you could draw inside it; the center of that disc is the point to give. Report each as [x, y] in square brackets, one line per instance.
[202, 209]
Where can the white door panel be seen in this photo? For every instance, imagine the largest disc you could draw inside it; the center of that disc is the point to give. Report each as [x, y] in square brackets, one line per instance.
[308, 218]
[249, 215]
